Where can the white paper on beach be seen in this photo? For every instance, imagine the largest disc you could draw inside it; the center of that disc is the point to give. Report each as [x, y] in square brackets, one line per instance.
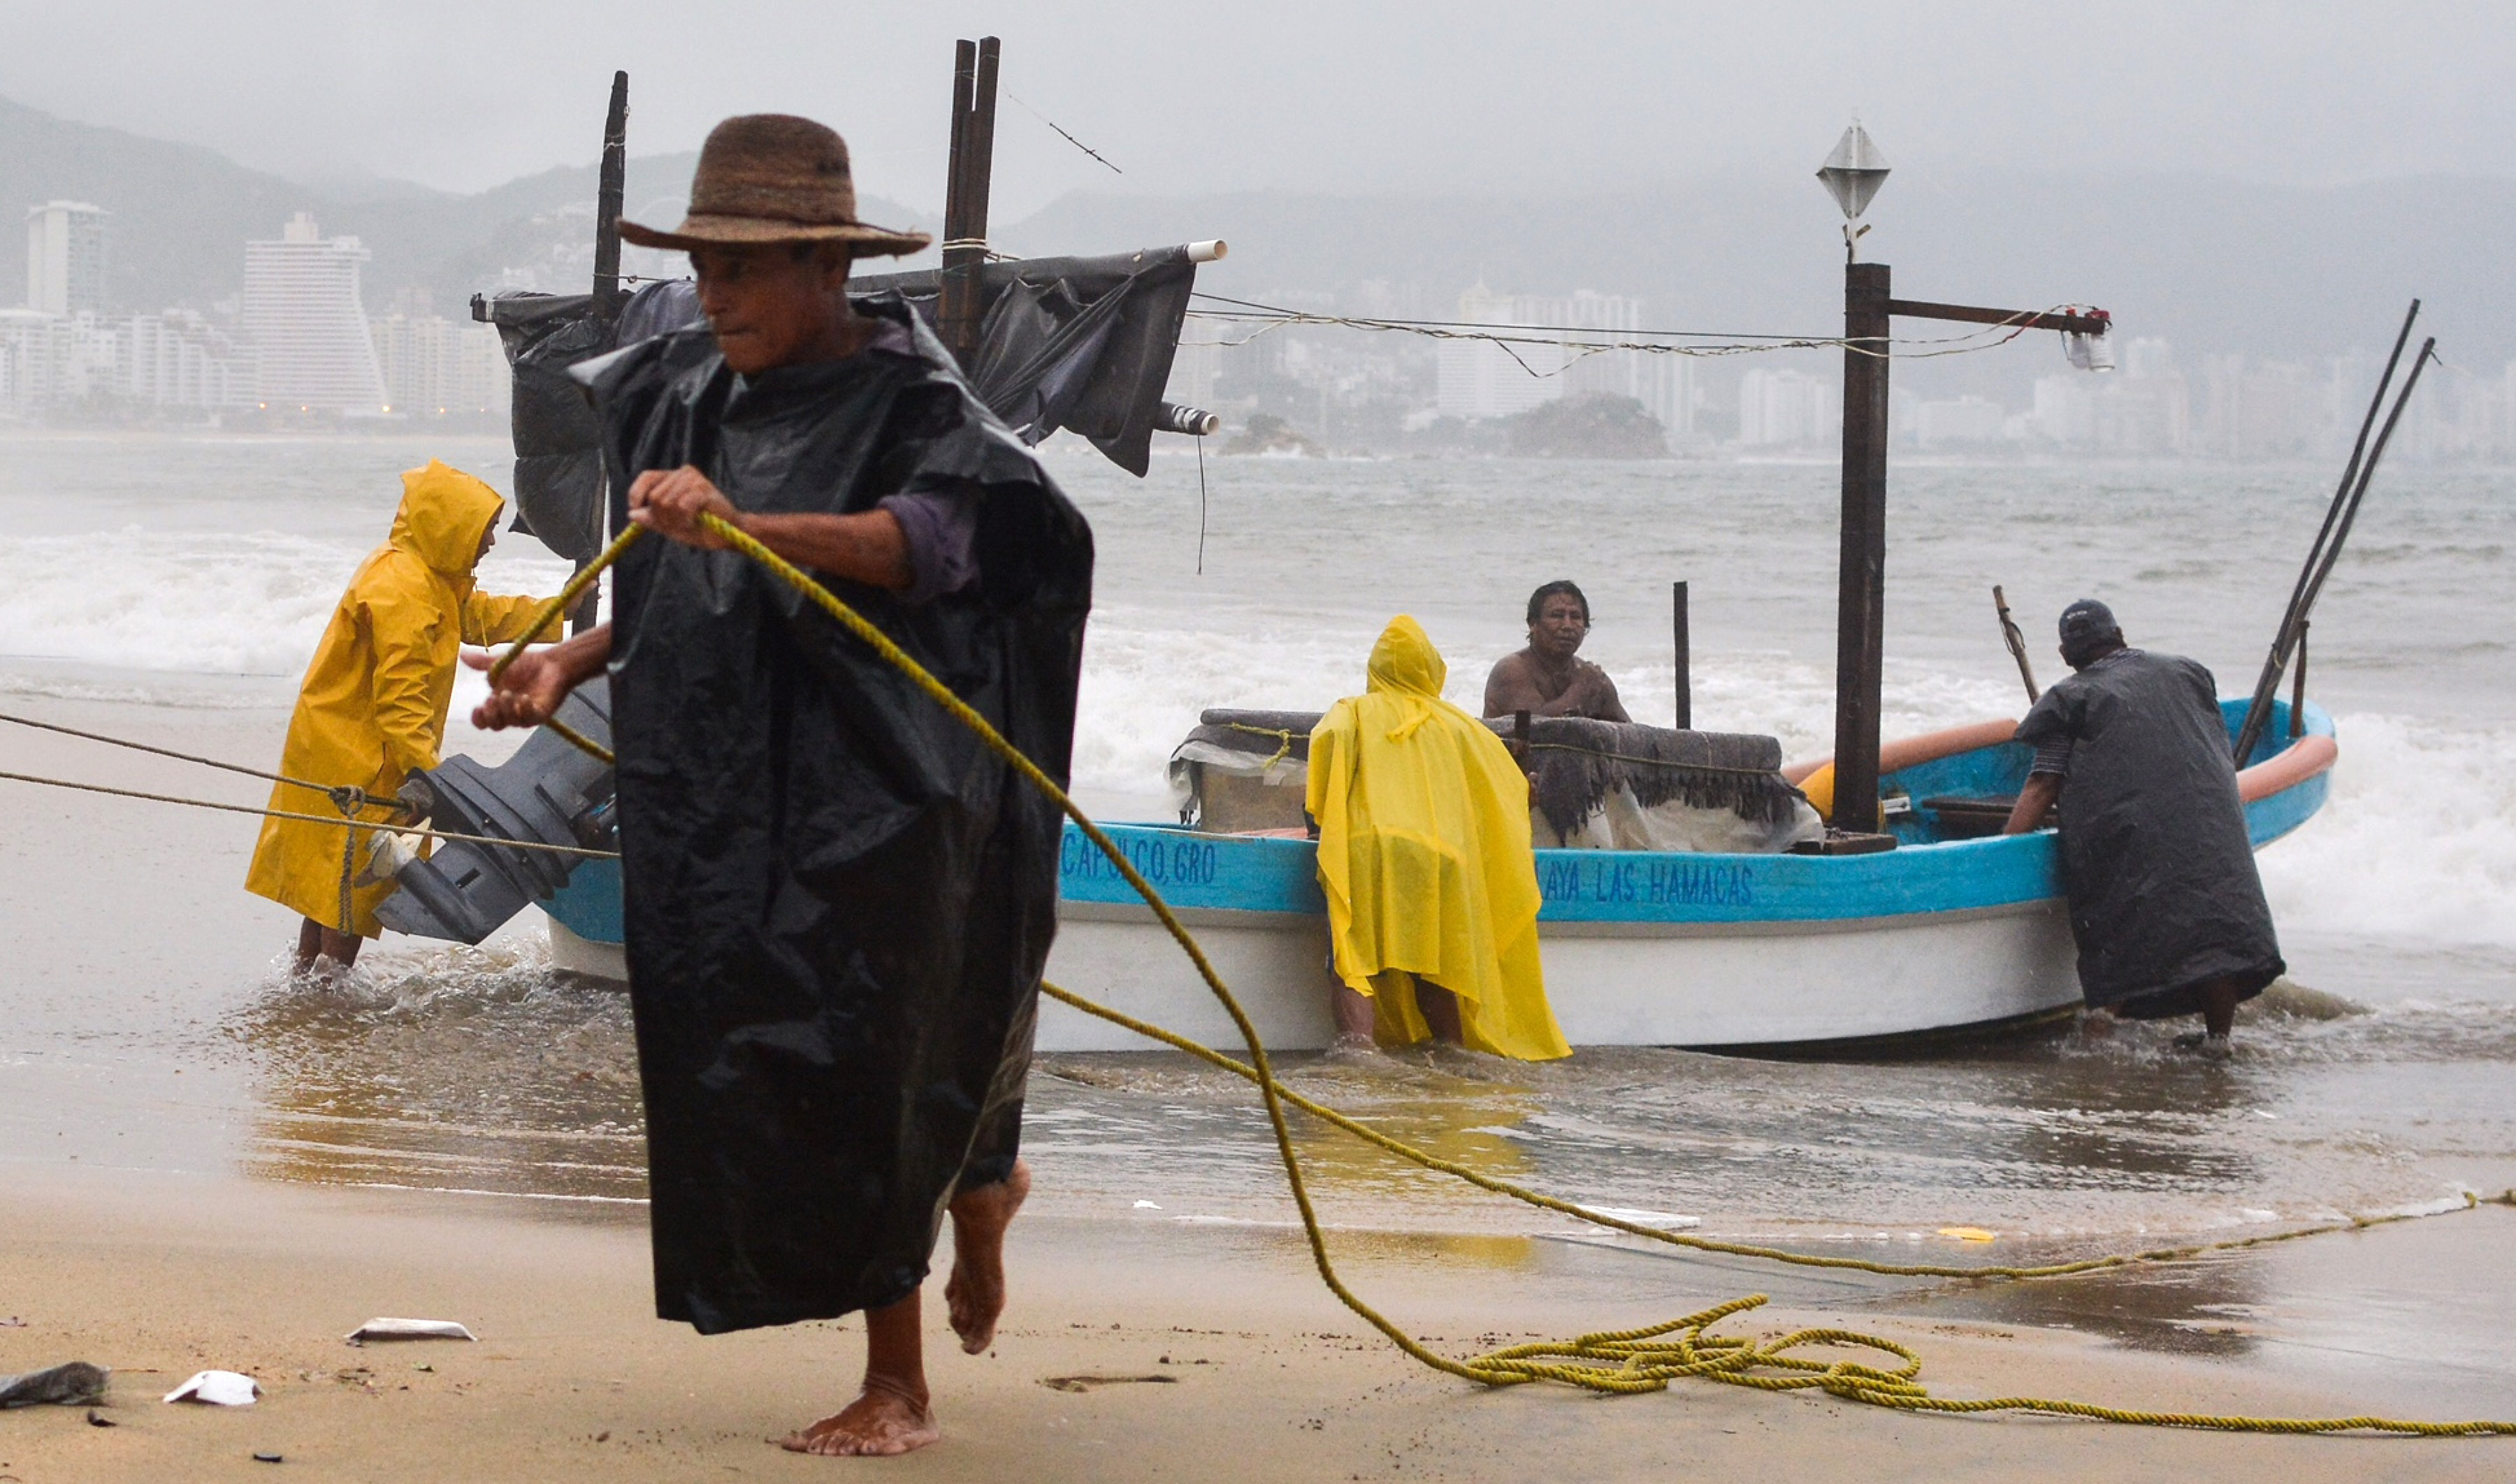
[1664, 1220]
[218, 1388]
[409, 1328]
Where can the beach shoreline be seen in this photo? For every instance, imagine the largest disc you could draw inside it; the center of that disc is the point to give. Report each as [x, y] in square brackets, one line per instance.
[1262, 1375]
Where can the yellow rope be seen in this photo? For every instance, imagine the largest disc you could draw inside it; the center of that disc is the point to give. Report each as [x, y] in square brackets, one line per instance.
[1284, 741]
[551, 609]
[1611, 1361]
[1503, 1188]
[347, 797]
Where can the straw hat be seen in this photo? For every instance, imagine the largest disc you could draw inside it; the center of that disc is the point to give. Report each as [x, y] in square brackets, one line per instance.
[773, 178]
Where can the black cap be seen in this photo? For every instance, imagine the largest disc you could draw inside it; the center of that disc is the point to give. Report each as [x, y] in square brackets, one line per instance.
[2087, 626]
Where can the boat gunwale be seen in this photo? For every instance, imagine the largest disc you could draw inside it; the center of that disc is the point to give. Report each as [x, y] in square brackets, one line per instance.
[1944, 879]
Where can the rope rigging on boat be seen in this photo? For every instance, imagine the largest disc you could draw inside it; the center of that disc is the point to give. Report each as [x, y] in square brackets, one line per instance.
[1270, 317]
[349, 822]
[347, 797]
[1620, 1361]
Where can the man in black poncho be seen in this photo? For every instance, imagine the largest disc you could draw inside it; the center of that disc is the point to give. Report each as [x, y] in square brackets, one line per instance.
[838, 902]
[2165, 903]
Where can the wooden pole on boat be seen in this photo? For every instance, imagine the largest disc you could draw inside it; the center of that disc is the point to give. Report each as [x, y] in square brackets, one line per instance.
[2297, 687]
[961, 309]
[1861, 610]
[2267, 685]
[2258, 715]
[2016, 642]
[1860, 614]
[614, 185]
[1685, 657]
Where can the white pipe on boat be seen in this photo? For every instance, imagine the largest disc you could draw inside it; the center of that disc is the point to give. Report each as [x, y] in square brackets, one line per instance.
[1210, 250]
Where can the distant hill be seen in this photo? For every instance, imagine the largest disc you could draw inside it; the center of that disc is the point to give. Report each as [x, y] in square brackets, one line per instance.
[2209, 264]
[182, 216]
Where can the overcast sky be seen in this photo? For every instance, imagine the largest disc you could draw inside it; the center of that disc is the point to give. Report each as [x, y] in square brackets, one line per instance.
[1334, 95]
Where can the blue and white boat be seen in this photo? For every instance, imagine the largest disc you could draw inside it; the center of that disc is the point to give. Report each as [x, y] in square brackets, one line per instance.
[1955, 930]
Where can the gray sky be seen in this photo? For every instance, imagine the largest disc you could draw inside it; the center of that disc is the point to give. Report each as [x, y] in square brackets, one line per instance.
[1334, 95]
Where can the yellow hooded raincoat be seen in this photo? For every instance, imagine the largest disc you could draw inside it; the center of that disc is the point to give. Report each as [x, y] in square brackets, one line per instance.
[1424, 855]
[372, 709]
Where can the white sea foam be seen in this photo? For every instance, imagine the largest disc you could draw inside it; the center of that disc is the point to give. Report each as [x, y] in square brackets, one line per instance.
[2417, 842]
[192, 603]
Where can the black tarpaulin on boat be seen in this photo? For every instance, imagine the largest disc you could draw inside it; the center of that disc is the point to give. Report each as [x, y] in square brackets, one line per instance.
[2155, 848]
[1079, 344]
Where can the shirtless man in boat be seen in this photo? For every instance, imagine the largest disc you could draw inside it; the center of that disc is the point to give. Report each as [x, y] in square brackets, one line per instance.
[2165, 903]
[1549, 678]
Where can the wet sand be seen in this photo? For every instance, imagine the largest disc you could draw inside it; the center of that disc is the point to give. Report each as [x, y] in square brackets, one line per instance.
[1263, 1376]
[141, 1229]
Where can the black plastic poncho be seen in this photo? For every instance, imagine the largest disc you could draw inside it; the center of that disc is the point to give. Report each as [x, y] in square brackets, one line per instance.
[837, 902]
[2155, 851]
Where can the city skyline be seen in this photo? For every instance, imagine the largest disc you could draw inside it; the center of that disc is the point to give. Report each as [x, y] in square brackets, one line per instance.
[298, 337]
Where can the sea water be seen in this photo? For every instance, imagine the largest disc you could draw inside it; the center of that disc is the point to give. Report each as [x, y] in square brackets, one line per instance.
[197, 572]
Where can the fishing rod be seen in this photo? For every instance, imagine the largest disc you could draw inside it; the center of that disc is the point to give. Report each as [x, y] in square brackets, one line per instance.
[2285, 638]
[2017, 642]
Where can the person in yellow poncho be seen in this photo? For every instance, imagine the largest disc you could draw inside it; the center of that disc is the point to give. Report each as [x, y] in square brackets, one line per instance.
[373, 709]
[1424, 855]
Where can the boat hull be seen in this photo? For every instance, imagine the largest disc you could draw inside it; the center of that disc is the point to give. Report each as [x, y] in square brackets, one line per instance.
[1640, 948]
[1692, 984]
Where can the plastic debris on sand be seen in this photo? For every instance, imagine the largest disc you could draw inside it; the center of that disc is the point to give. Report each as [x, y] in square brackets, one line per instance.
[408, 1329]
[218, 1388]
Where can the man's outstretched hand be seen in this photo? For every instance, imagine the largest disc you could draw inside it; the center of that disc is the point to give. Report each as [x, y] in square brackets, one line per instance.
[529, 691]
[670, 501]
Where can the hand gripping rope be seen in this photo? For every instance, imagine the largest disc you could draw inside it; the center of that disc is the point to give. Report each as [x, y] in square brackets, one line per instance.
[1613, 1361]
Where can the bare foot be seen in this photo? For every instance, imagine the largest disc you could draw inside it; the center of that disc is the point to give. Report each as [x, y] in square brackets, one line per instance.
[880, 1422]
[976, 1291]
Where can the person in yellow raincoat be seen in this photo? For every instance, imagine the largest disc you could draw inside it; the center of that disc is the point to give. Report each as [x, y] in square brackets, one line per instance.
[373, 709]
[1424, 855]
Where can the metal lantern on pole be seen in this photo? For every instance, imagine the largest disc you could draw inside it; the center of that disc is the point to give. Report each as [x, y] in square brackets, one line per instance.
[1852, 175]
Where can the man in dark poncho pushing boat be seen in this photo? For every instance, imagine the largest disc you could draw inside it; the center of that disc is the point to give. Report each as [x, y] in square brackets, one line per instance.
[2165, 903]
[837, 901]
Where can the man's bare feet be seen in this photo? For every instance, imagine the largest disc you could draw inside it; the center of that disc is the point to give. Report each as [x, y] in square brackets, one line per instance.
[976, 1291]
[880, 1422]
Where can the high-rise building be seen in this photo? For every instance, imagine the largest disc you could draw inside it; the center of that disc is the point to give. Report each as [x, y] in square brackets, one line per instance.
[66, 258]
[1780, 409]
[179, 359]
[309, 326]
[1481, 378]
[437, 367]
[1960, 420]
[2066, 410]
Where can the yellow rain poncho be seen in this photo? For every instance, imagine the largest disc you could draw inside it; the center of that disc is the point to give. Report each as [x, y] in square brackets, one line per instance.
[1424, 855]
[372, 709]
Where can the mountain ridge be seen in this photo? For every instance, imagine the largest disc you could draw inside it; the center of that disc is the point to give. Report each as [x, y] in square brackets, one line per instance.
[2209, 264]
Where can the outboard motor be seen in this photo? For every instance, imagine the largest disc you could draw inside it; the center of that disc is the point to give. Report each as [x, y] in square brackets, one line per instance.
[551, 791]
